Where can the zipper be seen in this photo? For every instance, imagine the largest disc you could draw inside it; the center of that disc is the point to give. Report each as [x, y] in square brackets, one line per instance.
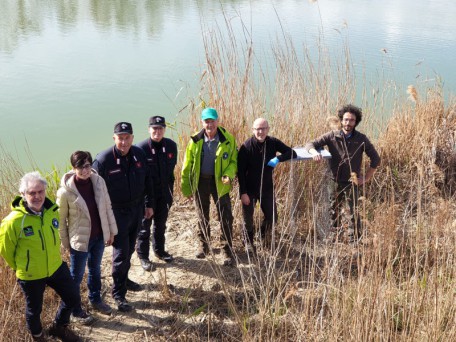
[28, 260]
[53, 235]
[42, 240]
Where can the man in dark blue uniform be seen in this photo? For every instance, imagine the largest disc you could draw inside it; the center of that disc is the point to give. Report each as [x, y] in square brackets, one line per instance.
[161, 156]
[129, 182]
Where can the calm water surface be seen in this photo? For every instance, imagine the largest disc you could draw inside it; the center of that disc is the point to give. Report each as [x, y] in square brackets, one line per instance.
[70, 69]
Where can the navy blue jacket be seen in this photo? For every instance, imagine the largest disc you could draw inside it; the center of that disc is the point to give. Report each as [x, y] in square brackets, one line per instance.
[128, 178]
[161, 159]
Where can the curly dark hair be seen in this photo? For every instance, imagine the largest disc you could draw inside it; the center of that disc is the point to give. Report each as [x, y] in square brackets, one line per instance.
[356, 111]
[79, 158]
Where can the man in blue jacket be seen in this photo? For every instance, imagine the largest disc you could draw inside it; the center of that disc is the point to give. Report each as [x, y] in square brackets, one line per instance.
[124, 168]
[30, 245]
[161, 154]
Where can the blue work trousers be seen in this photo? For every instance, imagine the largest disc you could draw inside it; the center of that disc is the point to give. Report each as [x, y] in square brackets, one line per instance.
[128, 223]
[158, 223]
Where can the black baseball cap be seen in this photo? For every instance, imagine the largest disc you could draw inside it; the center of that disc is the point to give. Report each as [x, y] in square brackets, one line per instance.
[157, 121]
[123, 127]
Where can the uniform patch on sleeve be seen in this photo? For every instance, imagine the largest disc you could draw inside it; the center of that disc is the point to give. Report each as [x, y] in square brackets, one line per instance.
[225, 155]
[170, 155]
[28, 231]
[55, 223]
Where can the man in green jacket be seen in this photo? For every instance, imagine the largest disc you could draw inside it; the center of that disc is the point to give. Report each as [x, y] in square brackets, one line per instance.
[30, 245]
[210, 166]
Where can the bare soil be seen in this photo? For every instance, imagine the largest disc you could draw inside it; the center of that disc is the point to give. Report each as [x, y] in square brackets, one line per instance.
[175, 295]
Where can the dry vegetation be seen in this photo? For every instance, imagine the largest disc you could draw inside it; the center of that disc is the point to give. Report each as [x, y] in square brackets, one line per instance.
[399, 284]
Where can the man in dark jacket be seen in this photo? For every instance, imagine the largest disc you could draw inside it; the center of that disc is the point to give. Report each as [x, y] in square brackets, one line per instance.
[129, 182]
[257, 159]
[161, 154]
[346, 147]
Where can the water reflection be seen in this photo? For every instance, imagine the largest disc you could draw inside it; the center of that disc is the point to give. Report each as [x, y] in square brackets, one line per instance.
[23, 18]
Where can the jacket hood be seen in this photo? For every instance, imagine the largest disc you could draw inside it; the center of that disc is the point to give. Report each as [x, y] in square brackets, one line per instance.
[18, 204]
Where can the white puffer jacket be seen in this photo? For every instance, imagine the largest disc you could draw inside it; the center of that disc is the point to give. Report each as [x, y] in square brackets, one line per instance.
[75, 223]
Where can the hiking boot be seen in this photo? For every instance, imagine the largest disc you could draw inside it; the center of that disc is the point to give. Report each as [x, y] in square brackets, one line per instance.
[82, 317]
[102, 307]
[40, 338]
[203, 250]
[63, 332]
[146, 265]
[133, 286]
[123, 306]
[165, 256]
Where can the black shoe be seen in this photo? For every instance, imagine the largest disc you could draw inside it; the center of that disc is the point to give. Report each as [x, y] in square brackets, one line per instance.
[165, 256]
[146, 265]
[123, 306]
[82, 317]
[40, 338]
[133, 286]
[63, 332]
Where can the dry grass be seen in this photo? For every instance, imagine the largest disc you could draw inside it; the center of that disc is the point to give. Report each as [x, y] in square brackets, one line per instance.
[399, 284]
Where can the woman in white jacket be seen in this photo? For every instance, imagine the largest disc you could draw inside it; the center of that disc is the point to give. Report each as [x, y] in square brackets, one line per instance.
[87, 225]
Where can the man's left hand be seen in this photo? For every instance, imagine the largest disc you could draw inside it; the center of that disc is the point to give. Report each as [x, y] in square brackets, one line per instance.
[273, 162]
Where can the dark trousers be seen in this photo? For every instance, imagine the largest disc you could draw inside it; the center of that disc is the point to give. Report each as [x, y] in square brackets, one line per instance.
[206, 190]
[161, 211]
[66, 288]
[128, 222]
[268, 207]
[340, 194]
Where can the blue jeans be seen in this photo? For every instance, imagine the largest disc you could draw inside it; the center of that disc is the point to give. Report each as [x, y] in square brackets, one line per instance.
[33, 290]
[92, 258]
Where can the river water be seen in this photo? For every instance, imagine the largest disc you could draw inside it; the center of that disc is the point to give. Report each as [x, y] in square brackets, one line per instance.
[70, 69]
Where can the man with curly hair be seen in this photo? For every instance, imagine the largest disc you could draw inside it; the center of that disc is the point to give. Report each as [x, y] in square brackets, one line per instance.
[346, 146]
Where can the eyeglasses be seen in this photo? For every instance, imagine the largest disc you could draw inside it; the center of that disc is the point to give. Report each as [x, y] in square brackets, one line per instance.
[257, 129]
[85, 166]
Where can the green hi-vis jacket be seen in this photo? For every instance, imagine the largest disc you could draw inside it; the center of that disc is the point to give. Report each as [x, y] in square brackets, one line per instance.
[225, 162]
[30, 244]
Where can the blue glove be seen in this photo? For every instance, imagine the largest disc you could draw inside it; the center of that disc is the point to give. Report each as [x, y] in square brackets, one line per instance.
[273, 162]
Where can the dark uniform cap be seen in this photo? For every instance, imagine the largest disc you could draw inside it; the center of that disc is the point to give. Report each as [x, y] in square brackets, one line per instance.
[157, 121]
[123, 127]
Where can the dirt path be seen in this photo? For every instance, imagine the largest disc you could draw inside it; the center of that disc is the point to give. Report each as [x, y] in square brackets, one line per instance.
[173, 295]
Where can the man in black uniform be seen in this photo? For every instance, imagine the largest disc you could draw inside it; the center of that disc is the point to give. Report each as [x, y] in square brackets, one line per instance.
[257, 159]
[161, 154]
[129, 182]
